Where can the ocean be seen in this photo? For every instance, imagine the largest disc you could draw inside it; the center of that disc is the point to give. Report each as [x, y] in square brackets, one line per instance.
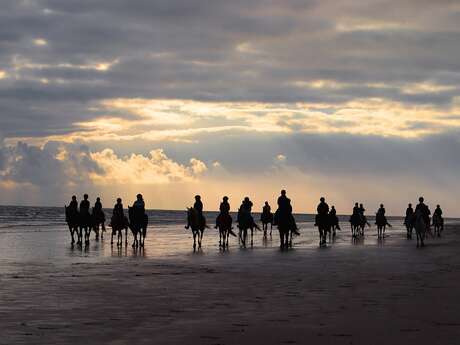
[40, 234]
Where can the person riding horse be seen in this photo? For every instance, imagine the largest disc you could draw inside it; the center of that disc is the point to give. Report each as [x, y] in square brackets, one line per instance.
[98, 213]
[322, 212]
[438, 214]
[425, 211]
[284, 212]
[198, 206]
[224, 209]
[334, 220]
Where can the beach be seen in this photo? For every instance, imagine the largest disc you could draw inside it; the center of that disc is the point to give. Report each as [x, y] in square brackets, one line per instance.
[368, 292]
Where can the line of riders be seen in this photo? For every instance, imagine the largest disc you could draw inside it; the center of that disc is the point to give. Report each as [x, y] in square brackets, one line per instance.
[81, 222]
[326, 221]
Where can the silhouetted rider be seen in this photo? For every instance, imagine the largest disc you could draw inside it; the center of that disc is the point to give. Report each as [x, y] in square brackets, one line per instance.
[118, 210]
[84, 205]
[356, 211]
[198, 206]
[266, 209]
[322, 211]
[381, 211]
[98, 205]
[438, 212]
[334, 218]
[409, 211]
[424, 210]
[73, 206]
[224, 206]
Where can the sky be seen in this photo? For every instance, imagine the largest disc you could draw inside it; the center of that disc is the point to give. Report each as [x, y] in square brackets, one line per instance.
[351, 100]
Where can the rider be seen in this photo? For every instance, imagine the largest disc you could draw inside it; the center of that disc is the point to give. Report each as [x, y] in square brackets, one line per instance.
[335, 219]
[73, 206]
[424, 210]
[224, 209]
[285, 210]
[118, 215]
[139, 203]
[438, 212]
[381, 211]
[356, 209]
[362, 210]
[322, 210]
[266, 210]
[98, 213]
[198, 206]
[84, 207]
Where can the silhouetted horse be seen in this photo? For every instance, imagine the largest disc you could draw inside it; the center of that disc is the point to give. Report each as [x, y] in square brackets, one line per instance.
[138, 221]
[119, 224]
[409, 223]
[322, 222]
[72, 219]
[86, 225]
[381, 222]
[358, 223]
[420, 227]
[438, 224]
[333, 224]
[245, 223]
[285, 224]
[266, 218]
[224, 224]
[98, 221]
[197, 223]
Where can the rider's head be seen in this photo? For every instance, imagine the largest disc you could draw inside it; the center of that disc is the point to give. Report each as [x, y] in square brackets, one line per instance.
[333, 207]
[381, 205]
[283, 192]
[74, 197]
[98, 199]
[246, 199]
[119, 201]
[322, 199]
[360, 205]
[139, 196]
[410, 205]
[356, 204]
[225, 198]
[421, 199]
[266, 203]
[437, 206]
[197, 197]
[85, 196]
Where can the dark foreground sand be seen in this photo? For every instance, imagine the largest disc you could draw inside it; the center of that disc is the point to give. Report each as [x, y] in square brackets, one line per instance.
[391, 293]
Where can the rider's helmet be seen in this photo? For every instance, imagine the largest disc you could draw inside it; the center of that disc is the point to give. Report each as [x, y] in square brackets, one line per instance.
[266, 202]
[322, 199]
[118, 200]
[197, 197]
[356, 204]
[246, 198]
[85, 196]
[283, 192]
[381, 205]
[421, 199]
[437, 206]
[410, 205]
[139, 196]
[98, 199]
[225, 198]
[74, 197]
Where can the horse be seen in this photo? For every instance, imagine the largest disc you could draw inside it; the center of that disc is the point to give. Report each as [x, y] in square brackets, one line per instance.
[438, 224]
[98, 220]
[86, 225]
[138, 221]
[409, 223]
[245, 223]
[420, 227]
[224, 224]
[73, 222]
[322, 222]
[266, 218]
[381, 222]
[286, 228]
[197, 223]
[355, 223]
[333, 224]
[119, 224]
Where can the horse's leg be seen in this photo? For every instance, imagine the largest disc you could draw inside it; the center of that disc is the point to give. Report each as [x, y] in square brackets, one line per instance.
[290, 238]
[111, 242]
[252, 235]
[126, 235]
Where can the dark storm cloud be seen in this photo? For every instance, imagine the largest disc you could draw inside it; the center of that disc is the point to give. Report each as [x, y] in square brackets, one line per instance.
[285, 41]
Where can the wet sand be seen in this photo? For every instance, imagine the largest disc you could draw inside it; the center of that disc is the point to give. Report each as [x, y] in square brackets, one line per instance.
[387, 293]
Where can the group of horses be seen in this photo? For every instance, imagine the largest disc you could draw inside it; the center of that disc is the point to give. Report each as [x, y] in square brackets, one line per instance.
[417, 222]
[81, 225]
